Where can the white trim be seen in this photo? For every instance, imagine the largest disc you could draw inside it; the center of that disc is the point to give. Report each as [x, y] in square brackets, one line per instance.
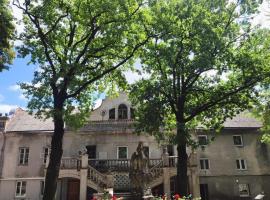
[118, 152]
[15, 179]
[239, 145]
[204, 164]
[240, 164]
[20, 195]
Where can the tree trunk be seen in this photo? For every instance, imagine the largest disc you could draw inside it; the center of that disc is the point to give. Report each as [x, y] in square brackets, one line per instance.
[181, 178]
[55, 156]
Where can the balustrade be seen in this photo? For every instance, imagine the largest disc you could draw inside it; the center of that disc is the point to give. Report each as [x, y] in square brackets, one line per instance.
[70, 163]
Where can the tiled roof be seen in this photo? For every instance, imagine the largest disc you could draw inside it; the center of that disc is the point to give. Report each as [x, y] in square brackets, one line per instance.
[22, 121]
[243, 120]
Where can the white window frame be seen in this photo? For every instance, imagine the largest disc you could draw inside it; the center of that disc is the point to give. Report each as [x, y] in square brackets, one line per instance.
[204, 160]
[240, 164]
[24, 155]
[118, 152]
[206, 138]
[238, 145]
[20, 188]
[247, 187]
[42, 156]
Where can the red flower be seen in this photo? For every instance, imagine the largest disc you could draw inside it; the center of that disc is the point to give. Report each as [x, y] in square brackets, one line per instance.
[176, 196]
[114, 197]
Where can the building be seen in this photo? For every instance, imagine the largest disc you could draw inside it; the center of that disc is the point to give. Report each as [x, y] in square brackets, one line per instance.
[235, 166]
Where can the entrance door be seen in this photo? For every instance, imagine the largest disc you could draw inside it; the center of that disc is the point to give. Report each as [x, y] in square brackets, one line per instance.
[204, 191]
[73, 192]
[91, 151]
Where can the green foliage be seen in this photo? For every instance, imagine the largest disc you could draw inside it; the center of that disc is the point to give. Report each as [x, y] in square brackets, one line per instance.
[6, 35]
[79, 46]
[203, 64]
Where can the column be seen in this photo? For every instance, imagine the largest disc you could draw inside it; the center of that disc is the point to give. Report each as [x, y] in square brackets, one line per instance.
[83, 177]
[194, 182]
[167, 182]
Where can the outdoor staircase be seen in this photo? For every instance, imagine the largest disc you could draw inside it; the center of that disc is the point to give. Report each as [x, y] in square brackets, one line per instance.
[98, 179]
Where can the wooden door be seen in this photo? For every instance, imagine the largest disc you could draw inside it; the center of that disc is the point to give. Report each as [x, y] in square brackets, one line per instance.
[73, 192]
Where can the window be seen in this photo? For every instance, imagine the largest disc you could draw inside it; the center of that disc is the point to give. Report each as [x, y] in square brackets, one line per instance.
[122, 111]
[2, 125]
[237, 140]
[122, 152]
[42, 187]
[112, 113]
[241, 164]
[243, 190]
[23, 156]
[202, 139]
[204, 164]
[146, 151]
[20, 188]
[45, 154]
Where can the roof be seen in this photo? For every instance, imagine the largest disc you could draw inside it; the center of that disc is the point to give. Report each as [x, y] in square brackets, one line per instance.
[23, 121]
[243, 120]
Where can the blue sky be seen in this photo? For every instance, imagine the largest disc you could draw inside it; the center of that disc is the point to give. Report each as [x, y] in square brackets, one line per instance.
[10, 94]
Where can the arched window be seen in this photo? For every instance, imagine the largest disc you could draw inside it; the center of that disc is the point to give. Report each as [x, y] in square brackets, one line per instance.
[112, 113]
[122, 111]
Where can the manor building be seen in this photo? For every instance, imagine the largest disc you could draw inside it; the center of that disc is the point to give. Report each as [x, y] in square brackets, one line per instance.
[236, 165]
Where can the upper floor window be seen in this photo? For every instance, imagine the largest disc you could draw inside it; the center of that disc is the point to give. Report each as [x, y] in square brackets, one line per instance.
[20, 188]
[122, 111]
[23, 155]
[204, 164]
[45, 154]
[112, 113]
[241, 164]
[122, 152]
[202, 140]
[237, 140]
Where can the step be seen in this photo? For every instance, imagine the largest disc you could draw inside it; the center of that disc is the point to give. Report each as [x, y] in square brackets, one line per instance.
[126, 195]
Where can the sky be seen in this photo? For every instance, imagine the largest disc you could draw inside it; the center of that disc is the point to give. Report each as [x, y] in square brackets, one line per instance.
[12, 97]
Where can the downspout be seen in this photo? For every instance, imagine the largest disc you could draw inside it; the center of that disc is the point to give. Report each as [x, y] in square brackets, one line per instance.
[2, 154]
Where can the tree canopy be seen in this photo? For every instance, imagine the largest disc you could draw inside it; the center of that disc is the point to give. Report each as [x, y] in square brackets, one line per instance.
[203, 64]
[79, 46]
[6, 35]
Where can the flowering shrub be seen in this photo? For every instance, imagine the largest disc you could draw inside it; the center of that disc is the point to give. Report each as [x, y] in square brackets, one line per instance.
[177, 197]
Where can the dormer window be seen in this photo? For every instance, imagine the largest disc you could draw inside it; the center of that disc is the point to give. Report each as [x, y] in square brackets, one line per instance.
[122, 111]
[112, 113]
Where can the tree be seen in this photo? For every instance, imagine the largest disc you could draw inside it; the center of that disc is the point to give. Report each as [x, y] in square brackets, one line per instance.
[202, 64]
[79, 46]
[6, 35]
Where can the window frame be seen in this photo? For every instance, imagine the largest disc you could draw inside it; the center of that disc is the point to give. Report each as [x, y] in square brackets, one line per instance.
[241, 138]
[42, 187]
[44, 153]
[24, 160]
[240, 164]
[20, 189]
[118, 151]
[248, 190]
[204, 165]
[206, 139]
[121, 111]
[112, 110]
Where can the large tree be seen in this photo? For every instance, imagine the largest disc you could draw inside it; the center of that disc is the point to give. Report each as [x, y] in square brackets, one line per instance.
[202, 66]
[6, 35]
[79, 46]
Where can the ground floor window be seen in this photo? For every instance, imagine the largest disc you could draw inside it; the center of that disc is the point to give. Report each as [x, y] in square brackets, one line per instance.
[244, 190]
[122, 152]
[20, 188]
[42, 187]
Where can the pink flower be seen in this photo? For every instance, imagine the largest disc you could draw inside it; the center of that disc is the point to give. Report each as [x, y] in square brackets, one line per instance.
[176, 196]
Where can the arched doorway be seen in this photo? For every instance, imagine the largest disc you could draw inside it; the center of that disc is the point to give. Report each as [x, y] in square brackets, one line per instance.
[73, 189]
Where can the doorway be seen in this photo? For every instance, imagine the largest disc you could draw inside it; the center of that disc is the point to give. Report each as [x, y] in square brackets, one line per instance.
[73, 192]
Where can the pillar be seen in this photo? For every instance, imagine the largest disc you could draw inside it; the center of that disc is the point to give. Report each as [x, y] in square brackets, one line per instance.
[194, 181]
[83, 177]
[167, 182]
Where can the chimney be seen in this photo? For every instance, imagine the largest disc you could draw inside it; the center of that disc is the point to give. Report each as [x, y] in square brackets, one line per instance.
[3, 121]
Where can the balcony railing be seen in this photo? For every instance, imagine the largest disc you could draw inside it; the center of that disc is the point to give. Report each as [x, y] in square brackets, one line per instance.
[70, 163]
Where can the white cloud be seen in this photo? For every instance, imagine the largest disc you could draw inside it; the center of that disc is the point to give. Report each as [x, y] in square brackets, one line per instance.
[22, 97]
[14, 87]
[263, 17]
[97, 103]
[5, 108]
